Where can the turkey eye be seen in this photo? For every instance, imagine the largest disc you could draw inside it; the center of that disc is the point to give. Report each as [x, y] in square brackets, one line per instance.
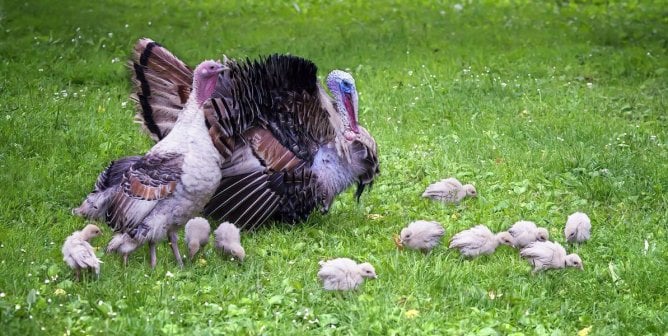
[346, 86]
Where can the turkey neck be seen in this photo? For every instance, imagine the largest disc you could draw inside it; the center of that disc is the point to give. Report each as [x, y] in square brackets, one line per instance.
[192, 112]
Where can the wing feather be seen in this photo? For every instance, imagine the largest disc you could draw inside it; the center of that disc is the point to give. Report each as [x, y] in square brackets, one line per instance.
[151, 179]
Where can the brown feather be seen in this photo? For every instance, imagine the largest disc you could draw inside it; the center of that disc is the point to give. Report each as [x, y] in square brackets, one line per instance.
[161, 86]
[270, 151]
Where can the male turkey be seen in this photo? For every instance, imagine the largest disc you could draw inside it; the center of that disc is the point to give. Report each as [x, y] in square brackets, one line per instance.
[158, 192]
[288, 147]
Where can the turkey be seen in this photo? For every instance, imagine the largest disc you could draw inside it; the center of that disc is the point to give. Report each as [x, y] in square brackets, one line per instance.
[228, 240]
[79, 254]
[123, 244]
[449, 190]
[421, 235]
[344, 274]
[526, 232]
[288, 147]
[479, 240]
[578, 228]
[197, 235]
[174, 180]
[547, 255]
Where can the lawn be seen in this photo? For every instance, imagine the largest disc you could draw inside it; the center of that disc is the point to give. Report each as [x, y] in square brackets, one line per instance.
[548, 108]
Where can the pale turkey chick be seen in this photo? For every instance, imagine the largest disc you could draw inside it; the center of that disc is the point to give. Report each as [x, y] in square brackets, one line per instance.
[578, 228]
[123, 244]
[228, 239]
[549, 255]
[449, 190]
[422, 235]
[479, 240]
[344, 274]
[78, 253]
[526, 232]
[197, 234]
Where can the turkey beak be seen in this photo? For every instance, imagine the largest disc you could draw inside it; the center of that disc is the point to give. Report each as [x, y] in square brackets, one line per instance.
[220, 68]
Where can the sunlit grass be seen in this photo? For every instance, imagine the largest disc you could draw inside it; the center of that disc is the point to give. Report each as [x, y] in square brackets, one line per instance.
[547, 108]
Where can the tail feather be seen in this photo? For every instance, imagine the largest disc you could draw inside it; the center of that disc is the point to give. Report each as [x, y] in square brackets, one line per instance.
[162, 84]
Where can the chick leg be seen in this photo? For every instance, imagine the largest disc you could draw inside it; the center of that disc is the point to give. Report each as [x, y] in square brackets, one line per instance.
[174, 241]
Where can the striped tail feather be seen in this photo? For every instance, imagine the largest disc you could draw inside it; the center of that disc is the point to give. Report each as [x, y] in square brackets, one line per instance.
[161, 86]
[246, 200]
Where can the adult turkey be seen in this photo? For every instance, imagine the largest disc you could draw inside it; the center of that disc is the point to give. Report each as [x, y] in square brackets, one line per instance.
[151, 197]
[288, 147]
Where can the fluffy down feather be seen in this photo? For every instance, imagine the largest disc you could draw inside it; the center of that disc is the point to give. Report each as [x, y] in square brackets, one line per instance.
[228, 240]
[578, 228]
[78, 253]
[422, 235]
[479, 240]
[344, 274]
[197, 234]
[123, 244]
[449, 190]
[526, 232]
[549, 255]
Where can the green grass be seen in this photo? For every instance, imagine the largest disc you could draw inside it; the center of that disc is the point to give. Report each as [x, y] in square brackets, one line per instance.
[547, 108]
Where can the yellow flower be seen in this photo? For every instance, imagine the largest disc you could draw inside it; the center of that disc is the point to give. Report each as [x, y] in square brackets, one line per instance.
[374, 216]
[412, 313]
[201, 262]
[584, 331]
[59, 292]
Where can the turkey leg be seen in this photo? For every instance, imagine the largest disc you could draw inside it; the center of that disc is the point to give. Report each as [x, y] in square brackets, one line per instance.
[174, 241]
[151, 249]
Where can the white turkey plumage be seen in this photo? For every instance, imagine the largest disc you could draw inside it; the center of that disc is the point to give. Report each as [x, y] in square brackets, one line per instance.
[288, 147]
[161, 190]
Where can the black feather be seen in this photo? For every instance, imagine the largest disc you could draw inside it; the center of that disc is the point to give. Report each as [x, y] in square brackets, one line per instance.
[147, 109]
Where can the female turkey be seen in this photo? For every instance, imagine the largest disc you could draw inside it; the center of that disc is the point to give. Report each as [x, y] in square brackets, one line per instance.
[288, 147]
[151, 197]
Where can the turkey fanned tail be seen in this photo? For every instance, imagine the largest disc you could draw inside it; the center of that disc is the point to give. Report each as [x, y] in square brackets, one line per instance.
[162, 85]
